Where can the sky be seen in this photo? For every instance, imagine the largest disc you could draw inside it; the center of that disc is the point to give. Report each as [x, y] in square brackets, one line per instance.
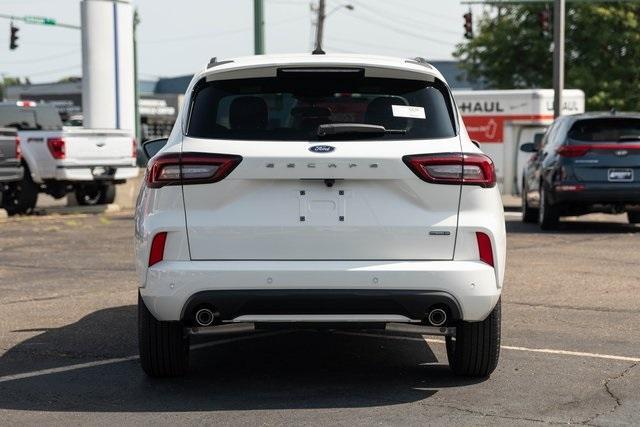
[179, 37]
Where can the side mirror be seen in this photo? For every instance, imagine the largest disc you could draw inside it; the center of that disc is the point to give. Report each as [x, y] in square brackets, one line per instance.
[528, 147]
[152, 146]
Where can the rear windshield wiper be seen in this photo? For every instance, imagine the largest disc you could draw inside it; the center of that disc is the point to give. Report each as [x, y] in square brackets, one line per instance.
[624, 138]
[356, 128]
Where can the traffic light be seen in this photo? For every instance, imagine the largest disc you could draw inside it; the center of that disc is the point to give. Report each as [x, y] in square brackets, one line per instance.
[13, 37]
[468, 25]
[543, 18]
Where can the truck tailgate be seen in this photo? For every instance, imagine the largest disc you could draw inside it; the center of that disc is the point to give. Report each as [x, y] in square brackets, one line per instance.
[96, 145]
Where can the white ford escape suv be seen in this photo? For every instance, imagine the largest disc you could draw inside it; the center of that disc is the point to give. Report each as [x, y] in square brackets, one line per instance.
[328, 191]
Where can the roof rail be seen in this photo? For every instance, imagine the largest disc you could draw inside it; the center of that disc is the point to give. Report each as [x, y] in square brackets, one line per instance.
[213, 62]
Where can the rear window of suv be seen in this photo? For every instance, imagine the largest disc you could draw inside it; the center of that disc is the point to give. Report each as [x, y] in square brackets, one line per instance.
[606, 130]
[292, 108]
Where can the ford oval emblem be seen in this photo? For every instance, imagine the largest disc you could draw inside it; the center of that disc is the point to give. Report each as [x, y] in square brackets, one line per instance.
[321, 149]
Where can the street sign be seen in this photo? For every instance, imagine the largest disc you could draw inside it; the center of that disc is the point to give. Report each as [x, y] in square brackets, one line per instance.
[39, 20]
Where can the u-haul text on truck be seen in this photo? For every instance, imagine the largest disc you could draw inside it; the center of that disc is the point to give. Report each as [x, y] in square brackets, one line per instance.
[502, 120]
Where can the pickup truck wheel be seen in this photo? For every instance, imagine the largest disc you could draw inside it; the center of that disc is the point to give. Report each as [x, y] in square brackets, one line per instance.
[108, 194]
[163, 346]
[20, 197]
[548, 216]
[529, 215]
[476, 348]
[95, 194]
[633, 217]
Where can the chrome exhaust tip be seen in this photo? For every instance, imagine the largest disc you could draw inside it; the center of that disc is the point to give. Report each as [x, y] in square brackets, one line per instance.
[437, 317]
[204, 317]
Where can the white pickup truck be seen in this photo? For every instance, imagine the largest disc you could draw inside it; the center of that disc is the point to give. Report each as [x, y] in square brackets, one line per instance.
[58, 160]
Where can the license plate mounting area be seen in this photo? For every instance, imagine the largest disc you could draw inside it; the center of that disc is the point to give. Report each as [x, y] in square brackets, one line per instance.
[327, 206]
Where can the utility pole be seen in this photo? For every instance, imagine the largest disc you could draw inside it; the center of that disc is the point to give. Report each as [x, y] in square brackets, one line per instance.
[320, 27]
[258, 27]
[558, 55]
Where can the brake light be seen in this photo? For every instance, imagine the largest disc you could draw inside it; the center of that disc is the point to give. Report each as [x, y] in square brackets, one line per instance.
[189, 168]
[156, 254]
[581, 150]
[26, 104]
[134, 148]
[18, 149]
[56, 147]
[569, 187]
[484, 248]
[573, 150]
[453, 168]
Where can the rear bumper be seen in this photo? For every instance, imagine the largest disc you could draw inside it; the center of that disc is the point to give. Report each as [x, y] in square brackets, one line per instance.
[236, 288]
[11, 174]
[278, 304]
[606, 193]
[85, 172]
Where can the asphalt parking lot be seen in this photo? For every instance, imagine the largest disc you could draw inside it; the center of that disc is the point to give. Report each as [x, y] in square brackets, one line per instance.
[571, 342]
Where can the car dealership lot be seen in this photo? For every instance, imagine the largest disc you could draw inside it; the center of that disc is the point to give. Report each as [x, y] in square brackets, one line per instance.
[68, 348]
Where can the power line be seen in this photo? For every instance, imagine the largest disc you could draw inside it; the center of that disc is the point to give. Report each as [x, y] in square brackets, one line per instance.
[48, 43]
[410, 21]
[52, 71]
[429, 13]
[372, 45]
[384, 24]
[44, 58]
[196, 36]
[219, 33]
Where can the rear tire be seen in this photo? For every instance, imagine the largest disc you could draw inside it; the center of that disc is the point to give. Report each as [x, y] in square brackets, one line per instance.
[476, 348]
[633, 217]
[529, 215]
[548, 216]
[95, 194]
[163, 346]
[21, 197]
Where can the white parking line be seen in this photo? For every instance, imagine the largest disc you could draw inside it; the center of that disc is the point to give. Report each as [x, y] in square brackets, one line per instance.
[246, 337]
[509, 347]
[123, 359]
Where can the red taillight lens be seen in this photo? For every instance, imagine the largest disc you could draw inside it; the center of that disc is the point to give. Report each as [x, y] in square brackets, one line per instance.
[18, 149]
[56, 147]
[156, 254]
[190, 168]
[453, 168]
[484, 248]
[581, 150]
[569, 187]
[573, 150]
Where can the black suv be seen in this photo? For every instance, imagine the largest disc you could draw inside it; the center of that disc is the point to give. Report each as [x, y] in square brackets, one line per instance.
[585, 163]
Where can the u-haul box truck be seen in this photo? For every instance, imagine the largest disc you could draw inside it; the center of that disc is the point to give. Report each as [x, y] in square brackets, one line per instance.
[502, 120]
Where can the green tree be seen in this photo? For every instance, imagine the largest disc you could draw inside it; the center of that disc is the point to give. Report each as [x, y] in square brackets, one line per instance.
[7, 81]
[602, 52]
